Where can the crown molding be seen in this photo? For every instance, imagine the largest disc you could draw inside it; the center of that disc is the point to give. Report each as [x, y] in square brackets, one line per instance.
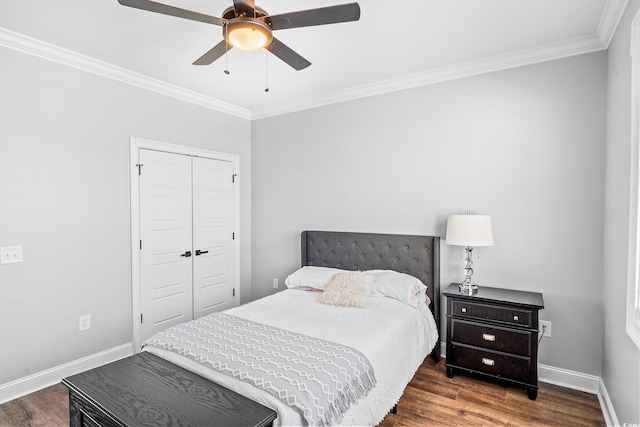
[39, 48]
[501, 62]
[610, 18]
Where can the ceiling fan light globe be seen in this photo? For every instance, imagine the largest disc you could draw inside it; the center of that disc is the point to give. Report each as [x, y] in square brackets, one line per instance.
[248, 34]
[247, 39]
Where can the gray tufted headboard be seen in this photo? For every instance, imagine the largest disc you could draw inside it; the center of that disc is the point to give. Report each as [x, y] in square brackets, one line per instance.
[418, 256]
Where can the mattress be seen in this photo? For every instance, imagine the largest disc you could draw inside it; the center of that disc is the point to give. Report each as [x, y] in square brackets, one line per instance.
[394, 336]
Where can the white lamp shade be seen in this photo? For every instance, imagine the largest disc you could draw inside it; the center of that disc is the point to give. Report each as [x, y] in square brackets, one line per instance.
[469, 230]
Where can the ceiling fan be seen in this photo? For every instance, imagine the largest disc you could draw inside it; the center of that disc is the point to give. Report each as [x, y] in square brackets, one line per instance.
[248, 27]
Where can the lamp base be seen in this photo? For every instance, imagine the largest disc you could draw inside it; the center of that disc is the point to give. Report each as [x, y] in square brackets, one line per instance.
[468, 288]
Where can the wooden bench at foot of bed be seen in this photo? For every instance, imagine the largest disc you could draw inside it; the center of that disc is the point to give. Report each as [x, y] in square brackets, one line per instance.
[145, 390]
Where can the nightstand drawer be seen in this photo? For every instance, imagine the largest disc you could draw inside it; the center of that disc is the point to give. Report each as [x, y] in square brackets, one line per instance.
[488, 362]
[507, 315]
[492, 338]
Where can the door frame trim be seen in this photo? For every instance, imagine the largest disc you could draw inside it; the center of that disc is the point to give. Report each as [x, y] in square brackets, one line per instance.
[135, 144]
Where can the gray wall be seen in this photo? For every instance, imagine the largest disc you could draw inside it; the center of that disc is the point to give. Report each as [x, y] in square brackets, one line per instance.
[621, 361]
[64, 156]
[524, 145]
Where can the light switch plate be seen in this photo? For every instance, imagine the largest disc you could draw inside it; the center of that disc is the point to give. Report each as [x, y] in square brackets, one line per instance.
[10, 254]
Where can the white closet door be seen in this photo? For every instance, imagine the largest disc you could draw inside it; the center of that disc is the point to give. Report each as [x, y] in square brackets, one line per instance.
[212, 236]
[166, 288]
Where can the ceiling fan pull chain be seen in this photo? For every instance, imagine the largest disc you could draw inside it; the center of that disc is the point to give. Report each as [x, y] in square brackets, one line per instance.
[226, 50]
[266, 71]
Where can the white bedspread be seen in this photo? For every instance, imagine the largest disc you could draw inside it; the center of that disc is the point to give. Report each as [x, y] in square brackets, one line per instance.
[394, 336]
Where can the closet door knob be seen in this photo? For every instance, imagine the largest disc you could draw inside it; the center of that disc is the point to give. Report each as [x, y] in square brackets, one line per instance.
[186, 254]
[199, 252]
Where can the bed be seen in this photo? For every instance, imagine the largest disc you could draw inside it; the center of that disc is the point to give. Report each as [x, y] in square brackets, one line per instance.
[370, 352]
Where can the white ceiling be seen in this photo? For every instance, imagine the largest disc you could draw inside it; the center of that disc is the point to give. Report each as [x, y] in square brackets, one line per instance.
[391, 47]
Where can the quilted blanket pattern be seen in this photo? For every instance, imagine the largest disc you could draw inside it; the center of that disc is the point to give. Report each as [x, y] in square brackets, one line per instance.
[318, 378]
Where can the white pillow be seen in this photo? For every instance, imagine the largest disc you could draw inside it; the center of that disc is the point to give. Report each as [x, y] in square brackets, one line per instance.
[347, 289]
[403, 287]
[311, 277]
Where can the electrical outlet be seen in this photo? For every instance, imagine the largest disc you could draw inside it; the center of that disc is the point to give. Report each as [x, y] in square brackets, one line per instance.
[84, 322]
[545, 328]
[275, 283]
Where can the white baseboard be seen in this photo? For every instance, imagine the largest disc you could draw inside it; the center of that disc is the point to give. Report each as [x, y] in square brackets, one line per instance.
[40, 380]
[569, 379]
[607, 406]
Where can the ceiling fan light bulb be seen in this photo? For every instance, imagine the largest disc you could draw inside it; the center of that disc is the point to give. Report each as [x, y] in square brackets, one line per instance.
[248, 34]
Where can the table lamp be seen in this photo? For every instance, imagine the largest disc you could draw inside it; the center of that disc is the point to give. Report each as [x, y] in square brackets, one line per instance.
[469, 231]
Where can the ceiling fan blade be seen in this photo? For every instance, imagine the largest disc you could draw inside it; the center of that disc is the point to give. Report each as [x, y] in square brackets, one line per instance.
[287, 54]
[321, 16]
[244, 7]
[172, 11]
[214, 53]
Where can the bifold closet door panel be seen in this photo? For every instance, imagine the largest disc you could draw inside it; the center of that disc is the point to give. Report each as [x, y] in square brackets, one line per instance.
[213, 267]
[166, 282]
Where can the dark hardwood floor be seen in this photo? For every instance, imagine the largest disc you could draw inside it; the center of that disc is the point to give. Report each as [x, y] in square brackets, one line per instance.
[48, 407]
[431, 399]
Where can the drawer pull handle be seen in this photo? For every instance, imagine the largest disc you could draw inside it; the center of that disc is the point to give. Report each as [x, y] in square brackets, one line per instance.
[515, 318]
[488, 337]
[488, 362]
[464, 309]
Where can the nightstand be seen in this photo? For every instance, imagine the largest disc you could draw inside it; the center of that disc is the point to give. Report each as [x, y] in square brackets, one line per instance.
[495, 333]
